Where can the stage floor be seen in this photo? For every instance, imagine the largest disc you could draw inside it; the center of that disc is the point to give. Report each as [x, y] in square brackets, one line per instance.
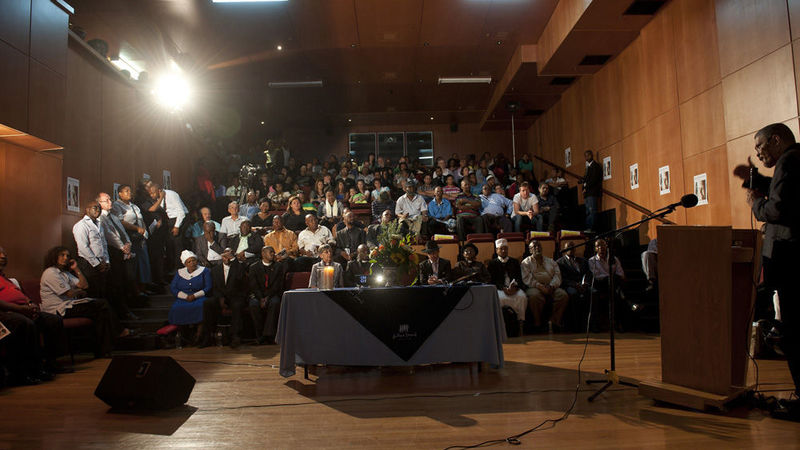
[240, 400]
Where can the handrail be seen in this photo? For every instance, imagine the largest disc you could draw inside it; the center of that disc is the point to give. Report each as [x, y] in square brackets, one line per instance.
[613, 195]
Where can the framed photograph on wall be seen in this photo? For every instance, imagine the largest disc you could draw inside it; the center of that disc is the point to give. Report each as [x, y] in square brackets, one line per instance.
[607, 168]
[115, 192]
[145, 176]
[567, 157]
[634, 171]
[166, 179]
[73, 194]
[663, 180]
[701, 188]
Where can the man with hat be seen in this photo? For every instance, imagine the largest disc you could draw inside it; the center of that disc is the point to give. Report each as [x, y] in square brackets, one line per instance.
[433, 270]
[470, 268]
[543, 278]
[506, 274]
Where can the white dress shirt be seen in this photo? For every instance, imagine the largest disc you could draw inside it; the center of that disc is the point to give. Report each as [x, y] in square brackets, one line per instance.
[212, 255]
[599, 267]
[311, 241]
[174, 207]
[413, 207]
[231, 227]
[536, 275]
[92, 245]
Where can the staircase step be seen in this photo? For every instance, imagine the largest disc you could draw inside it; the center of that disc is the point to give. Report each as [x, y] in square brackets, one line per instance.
[144, 325]
[152, 312]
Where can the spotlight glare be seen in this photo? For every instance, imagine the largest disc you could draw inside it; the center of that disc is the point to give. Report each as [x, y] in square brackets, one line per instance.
[172, 91]
[280, 47]
[379, 278]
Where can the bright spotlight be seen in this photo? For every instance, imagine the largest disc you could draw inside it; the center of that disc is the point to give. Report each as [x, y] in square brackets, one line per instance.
[379, 278]
[172, 91]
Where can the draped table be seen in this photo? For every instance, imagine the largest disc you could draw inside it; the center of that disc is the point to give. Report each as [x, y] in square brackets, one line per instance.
[393, 326]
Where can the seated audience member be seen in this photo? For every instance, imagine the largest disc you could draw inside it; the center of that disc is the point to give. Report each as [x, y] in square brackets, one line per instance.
[543, 278]
[132, 219]
[294, 218]
[494, 210]
[349, 238]
[548, 209]
[231, 225]
[308, 207]
[303, 176]
[263, 186]
[63, 292]
[468, 213]
[378, 189]
[357, 267]
[470, 269]
[650, 264]
[207, 247]
[326, 259]
[263, 219]
[355, 198]
[450, 188]
[363, 195]
[475, 187]
[506, 274]
[28, 326]
[557, 181]
[433, 270]
[318, 193]
[278, 196]
[575, 280]
[426, 189]
[330, 211]
[374, 230]
[190, 286]
[196, 229]
[282, 240]
[383, 203]
[246, 246]
[599, 266]
[229, 291]
[412, 210]
[309, 242]
[365, 175]
[250, 208]
[340, 226]
[440, 213]
[342, 193]
[526, 207]
[234, 191]
[525, 168]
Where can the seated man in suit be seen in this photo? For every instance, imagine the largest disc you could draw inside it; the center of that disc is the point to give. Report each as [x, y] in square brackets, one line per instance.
[229, 291]
[326, 259]
[266, 290]
[575, 279]
[599, 265]
[506, 274]
[349, 238]
[357, 267]
[433, 270]
[246, 246]
[543, 278]
[373, 231]
[470, 269]
[207, 247]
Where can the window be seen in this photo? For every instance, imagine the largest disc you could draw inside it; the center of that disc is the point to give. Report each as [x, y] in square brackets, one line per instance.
[391, 145]
[361, 145]
[419, 145]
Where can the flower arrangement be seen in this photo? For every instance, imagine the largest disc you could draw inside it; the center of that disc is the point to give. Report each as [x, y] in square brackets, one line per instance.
[394, 251]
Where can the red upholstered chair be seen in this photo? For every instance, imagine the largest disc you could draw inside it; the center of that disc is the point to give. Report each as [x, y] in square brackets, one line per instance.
[31, 289]
[516, 244]
[296, 280]
[448, 247]
[548, 241]
[485, 244]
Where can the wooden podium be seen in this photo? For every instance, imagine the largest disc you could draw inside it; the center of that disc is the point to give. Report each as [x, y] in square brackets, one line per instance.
[706, 292]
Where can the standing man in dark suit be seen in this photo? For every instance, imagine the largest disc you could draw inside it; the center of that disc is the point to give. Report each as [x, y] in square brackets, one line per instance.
[357, 267]
[592, 188]
[266, 290]
[575, 279]
[776, 201]
[229, 291]
[433, 270]
[207, 247]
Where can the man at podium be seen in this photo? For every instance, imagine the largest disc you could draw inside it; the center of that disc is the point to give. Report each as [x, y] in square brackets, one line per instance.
[776, 201]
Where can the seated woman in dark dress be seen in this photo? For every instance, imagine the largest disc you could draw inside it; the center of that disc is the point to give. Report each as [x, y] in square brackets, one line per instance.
[295, 218]
[191, 287]
[262, 220]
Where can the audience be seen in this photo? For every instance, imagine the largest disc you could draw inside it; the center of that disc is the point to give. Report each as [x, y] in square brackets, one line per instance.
[294, 218]
[231, 225]
[326, 260]
[229, 289]
[191, 285]
[246, 245]
[358, 267]
[543, 278]
[434, 270]
[207, 246]
[526, 207]
[506, 275]
[468, 217]
[469, 268]
[575, 280]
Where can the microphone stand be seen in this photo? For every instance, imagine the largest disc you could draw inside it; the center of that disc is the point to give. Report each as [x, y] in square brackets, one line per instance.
[611, 374]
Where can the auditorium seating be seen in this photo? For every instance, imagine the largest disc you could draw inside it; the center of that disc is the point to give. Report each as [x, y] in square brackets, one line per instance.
[485, 244]
[548, 241]
[449, 247]
[516, 244]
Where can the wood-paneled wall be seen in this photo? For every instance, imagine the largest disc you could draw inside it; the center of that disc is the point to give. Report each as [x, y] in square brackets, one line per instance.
[689, 92]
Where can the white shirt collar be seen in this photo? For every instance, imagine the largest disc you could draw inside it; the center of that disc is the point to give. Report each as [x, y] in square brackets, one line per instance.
[183, 272]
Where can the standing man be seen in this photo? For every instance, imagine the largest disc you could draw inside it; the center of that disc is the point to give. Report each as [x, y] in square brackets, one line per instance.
[176, 212]
[122, 273]
[592, 188]
[93, 259]
[776, 201]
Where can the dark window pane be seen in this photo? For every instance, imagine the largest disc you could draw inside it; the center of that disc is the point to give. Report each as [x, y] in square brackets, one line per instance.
[391, 145]
[419, 145]
[361, 145]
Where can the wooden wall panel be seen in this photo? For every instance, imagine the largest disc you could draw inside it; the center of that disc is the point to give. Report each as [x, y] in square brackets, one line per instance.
[15, 22]
[49, 35]
[794, 18]
[632, 88]
[635, 151]
[696, 55]
[607, 121]
[714, 164]
[564, 18]
[660, 82]
[748, 30]
[13, 87]
[664, 143]
[761, 93]
[702, 122]
[47, 105]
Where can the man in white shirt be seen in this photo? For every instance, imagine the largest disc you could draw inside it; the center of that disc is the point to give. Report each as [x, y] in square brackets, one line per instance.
[526, 207]
[231, 225]
[543, 278]
[412, 210]
[313, 237]
[93, 258]
[176, 211]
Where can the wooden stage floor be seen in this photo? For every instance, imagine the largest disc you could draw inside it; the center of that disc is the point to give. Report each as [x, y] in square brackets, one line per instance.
[241, 401]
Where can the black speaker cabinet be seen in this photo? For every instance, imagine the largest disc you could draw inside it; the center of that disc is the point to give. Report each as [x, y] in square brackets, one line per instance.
[144, 382]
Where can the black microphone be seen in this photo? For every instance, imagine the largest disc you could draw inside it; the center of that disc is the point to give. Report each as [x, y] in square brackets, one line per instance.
[687, 201]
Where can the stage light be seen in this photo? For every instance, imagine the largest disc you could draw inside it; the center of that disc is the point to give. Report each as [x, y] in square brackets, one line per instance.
[379, 279]
[172, 91]
[280, 47]
[248, 1]
[123, 64]
[262, 122]
[465, 80]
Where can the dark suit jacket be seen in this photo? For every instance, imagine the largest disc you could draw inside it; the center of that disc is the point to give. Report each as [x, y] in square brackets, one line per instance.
[350, 239]
[463, 268]
[426, 270]
[201, 249]
[497, 272]
[235, 288]
[354, 271]
[781, 208]
[254, 243]
[267, 281]
[571, 276]
[593, 180]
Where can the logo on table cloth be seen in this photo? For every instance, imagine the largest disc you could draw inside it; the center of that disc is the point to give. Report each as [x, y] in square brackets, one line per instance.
[404, 333]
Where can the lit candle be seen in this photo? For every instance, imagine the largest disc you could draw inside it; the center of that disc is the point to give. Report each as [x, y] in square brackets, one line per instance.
[327, 279]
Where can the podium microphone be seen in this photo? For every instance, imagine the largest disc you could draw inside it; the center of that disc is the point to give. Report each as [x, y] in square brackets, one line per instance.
[687, 201]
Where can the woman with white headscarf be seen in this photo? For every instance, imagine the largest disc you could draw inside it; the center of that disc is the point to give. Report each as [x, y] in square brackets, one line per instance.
[191, 286]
